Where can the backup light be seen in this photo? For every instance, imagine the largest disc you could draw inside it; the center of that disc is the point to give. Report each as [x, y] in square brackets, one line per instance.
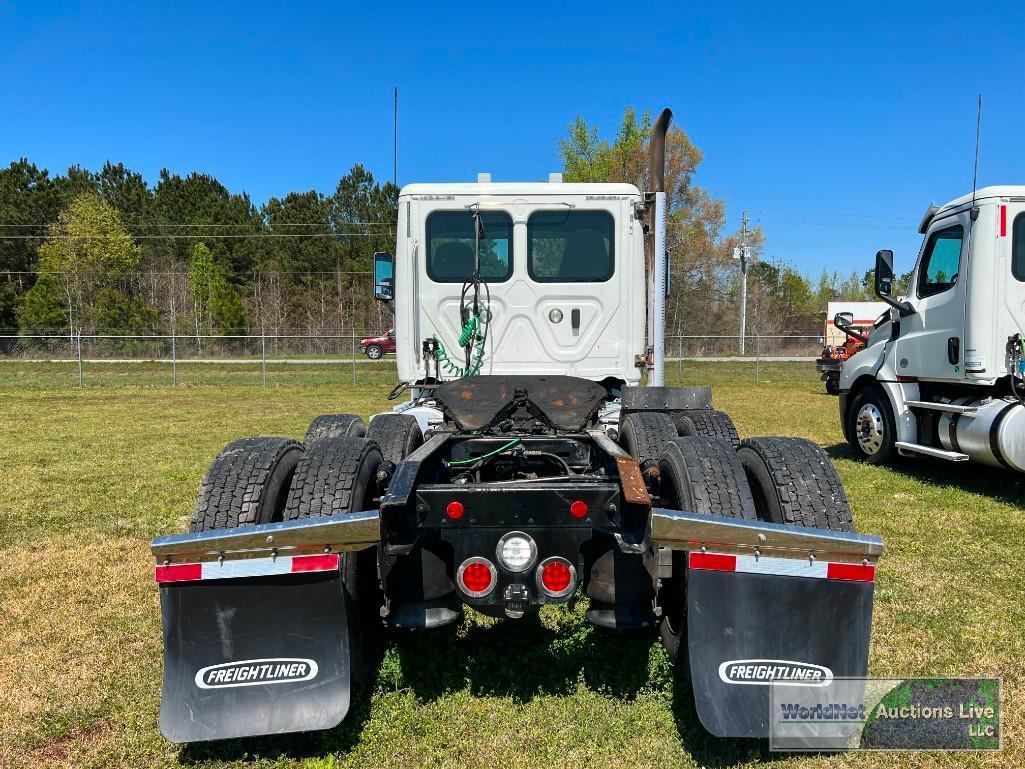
[516, 551]
[556, 577]
[477, 577]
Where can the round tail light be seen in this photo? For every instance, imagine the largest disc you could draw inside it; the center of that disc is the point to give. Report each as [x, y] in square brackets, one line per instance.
[556, 577]
[454, 509]
[579, 509]
[516, 551]
[477, 577]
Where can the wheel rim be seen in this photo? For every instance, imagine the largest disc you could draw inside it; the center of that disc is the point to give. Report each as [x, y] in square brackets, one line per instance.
[870, 429]
[374, 353]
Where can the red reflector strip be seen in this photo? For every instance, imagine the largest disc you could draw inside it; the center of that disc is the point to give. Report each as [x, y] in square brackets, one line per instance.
[248, 567]
[323, 562]
[1003, 221]
[783, 567]
[179, 572]
[852, 572]
[713, 561]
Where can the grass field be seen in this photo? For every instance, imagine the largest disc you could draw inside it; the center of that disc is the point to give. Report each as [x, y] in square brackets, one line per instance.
[89, 476]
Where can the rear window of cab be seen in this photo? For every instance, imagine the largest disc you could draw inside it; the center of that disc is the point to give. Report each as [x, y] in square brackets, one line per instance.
[570, 246]
[451, 241]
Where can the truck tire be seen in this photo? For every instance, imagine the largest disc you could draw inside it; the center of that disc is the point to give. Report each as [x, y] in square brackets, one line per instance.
[398, 435]
[871, 426]
[708, 423]
[832, 384]
[793, 481]
[336, 477]
[643, 434]
[700, 475]
[375, 352]
[246, 484]
[335, 426]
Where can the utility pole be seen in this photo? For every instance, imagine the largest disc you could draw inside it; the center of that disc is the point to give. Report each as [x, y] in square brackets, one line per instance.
[742, 254]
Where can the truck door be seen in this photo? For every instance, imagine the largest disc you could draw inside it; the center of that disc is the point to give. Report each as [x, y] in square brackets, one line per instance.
[931, 343]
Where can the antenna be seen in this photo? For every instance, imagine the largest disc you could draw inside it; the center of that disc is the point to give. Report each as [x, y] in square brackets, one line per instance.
[395, 140]
[975, 173]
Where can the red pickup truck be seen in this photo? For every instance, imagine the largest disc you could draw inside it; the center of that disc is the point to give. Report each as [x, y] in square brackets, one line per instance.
[376, 346]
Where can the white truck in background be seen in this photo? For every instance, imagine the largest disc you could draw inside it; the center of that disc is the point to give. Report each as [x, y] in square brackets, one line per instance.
[942, 375]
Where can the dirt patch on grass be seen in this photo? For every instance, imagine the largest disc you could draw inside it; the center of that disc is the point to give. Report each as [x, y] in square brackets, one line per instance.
[60, 750]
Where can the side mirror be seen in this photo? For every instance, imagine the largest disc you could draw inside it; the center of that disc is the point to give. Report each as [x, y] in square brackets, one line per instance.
[884, 272]
[384, 276]
[843, 319]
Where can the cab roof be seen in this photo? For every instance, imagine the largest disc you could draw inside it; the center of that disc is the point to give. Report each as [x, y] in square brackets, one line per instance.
[995, 191]
[533, 189]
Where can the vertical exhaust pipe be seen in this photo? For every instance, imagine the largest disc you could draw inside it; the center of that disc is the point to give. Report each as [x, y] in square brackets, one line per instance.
[657, 151]
[660, 261]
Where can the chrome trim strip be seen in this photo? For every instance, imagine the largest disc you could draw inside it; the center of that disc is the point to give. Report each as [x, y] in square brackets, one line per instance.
[354, 531]
[690, 531]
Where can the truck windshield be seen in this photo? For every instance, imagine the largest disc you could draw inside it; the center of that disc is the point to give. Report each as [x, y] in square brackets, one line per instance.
[570, 246]
[450, 244]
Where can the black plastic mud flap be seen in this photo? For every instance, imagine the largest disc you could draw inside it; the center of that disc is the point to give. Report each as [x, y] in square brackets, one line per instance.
[257, 655]
[745, 630]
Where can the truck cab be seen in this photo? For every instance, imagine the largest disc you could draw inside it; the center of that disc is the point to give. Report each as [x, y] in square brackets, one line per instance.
[949, 353]
[564, 271]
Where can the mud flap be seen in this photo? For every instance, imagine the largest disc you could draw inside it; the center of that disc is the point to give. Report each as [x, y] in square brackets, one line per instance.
[259, 655]
[745, 630]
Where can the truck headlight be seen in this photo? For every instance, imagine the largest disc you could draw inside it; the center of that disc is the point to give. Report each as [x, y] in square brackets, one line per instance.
[516, 551]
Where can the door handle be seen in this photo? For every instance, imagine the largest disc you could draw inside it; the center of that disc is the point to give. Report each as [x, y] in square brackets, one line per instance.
[954, 350]
[574, 319]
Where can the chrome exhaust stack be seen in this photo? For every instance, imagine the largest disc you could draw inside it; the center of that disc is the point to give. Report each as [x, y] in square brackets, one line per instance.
[659, 262]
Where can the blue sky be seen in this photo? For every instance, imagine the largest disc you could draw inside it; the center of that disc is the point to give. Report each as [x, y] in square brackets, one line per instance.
[834, 123]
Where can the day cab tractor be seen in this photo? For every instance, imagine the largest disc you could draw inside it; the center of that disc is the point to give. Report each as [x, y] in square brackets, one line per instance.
[527, 466]
[943, 373]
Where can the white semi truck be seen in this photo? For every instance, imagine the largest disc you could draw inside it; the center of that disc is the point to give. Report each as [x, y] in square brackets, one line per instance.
[526, 467]
[942, 375]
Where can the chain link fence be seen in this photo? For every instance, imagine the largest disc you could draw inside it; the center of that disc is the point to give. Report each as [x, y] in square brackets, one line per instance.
[259, 359]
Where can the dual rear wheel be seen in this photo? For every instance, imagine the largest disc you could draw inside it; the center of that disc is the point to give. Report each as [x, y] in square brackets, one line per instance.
[333, 472]
[779, 480]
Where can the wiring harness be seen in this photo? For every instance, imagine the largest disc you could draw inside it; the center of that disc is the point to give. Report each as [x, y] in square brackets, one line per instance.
[475, 318]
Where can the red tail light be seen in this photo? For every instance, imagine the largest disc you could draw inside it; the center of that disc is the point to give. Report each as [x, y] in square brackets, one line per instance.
[477, 577]
[556, 577]
[579, 509]
[454, 509]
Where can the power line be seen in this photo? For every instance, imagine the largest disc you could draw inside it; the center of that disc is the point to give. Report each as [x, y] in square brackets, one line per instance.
[226, 224]
[834, 225]
[208, 236]
[161, 273]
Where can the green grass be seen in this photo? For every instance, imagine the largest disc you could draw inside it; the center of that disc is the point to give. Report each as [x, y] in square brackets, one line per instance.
[90, 475]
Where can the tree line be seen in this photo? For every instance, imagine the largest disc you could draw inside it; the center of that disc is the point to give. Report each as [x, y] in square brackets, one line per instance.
[107, 252]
